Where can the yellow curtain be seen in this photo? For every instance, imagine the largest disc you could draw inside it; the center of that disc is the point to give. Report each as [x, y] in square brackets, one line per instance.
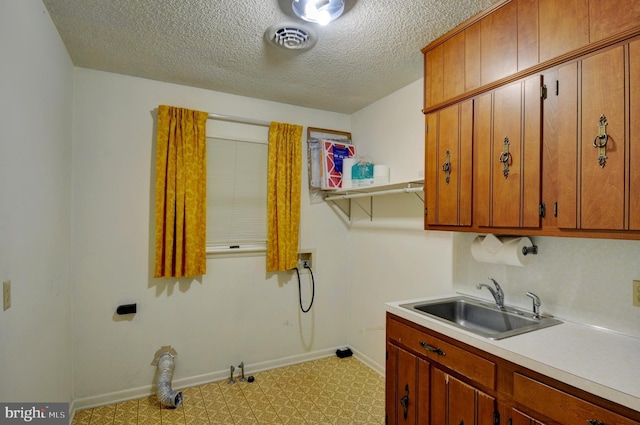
[181, 190]
[284, 183]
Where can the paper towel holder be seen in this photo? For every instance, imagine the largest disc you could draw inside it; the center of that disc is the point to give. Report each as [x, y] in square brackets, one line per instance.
[530, 250]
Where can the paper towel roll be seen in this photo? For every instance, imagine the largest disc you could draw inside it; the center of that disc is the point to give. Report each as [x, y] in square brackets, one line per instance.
[347, 166]
[380, 174]
[510, 254]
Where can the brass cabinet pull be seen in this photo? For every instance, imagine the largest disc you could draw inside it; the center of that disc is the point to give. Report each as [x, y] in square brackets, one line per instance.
[505, 158]
[404, 401]
[600, 142]
[446, 167]
[432, 349]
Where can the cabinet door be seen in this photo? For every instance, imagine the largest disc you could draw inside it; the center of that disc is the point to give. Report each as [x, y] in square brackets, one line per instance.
[507, 110]
[519, 418]
[567, 158]
[607, 18]
[448, 165]
[407, 388]
[455, 403]
[564, 26]
[453, 66]
[603, 95]
[507, 156]
[591, 189]
[634, 139]
[434, 76]
[499, 43]
[527, 34]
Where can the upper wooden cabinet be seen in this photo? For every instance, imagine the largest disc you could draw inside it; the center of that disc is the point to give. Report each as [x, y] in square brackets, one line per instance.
[514, 36]
[559, 181]
[634, 139]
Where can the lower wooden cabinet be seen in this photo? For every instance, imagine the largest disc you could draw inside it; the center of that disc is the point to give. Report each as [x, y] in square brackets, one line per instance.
[561, 406]
[420, 393]
[432, 379]
[519, 418]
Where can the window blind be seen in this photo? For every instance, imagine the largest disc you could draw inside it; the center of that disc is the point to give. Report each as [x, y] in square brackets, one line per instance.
[236, 193]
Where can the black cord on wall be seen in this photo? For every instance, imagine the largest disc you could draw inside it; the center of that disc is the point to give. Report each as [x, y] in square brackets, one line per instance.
[313, 288]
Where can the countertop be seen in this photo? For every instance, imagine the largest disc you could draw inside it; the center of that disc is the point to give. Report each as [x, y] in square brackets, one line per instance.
[599, 361]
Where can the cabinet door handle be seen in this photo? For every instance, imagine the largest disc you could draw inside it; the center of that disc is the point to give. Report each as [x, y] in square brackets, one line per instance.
[505, 158]
[446, 167]
[600, 142]
[404, 402]
[595, 422]
[432, 349]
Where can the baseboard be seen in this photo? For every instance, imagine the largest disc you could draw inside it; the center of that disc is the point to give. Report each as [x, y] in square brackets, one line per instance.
[369, 362]
[177, 384]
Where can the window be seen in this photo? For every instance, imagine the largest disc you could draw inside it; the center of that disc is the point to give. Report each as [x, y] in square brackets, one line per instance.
[236, 194]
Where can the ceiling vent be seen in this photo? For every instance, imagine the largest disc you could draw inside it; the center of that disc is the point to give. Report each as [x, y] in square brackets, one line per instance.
[290, 37]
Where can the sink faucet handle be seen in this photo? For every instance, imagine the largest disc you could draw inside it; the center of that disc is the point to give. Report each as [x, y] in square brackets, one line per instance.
[497, 293]
[500, 299]
[536, 303]
[498, 288]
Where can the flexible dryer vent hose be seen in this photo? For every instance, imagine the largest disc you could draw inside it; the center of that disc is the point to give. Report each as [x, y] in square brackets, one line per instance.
[165, 394]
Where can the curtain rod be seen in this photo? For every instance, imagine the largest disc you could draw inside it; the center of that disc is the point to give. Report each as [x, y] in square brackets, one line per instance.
[239, 120]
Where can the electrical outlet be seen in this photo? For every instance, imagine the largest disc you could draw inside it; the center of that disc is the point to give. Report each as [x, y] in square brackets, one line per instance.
[6, 294]
[636, 293]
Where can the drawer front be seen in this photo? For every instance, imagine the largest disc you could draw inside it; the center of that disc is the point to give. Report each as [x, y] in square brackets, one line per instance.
[560, 406]
[457, 359]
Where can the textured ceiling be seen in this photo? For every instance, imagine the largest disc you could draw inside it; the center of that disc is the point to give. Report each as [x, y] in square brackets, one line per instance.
[372, 50]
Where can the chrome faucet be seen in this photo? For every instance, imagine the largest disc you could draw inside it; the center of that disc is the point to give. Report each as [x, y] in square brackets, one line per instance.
[498, 295]
[536, 304]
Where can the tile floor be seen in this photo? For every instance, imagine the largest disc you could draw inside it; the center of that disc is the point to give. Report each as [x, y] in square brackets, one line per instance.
[320, 392]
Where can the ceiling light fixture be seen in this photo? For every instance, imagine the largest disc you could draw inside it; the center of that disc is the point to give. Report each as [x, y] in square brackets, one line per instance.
[319, 11]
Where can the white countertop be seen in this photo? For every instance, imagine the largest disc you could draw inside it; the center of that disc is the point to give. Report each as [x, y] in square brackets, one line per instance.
[599, 361]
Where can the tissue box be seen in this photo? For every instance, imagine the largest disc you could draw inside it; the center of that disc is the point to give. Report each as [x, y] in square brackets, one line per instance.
[362, 174]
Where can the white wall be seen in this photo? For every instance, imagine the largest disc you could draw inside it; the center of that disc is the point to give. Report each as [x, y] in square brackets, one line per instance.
[583, 280]
[36, 83]
[236, 312]
[391, 257]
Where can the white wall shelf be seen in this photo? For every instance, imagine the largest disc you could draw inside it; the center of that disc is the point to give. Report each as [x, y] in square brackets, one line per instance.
[352, 194]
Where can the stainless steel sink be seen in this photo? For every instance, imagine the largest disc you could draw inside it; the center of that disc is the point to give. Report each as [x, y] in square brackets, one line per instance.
[481, 318]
